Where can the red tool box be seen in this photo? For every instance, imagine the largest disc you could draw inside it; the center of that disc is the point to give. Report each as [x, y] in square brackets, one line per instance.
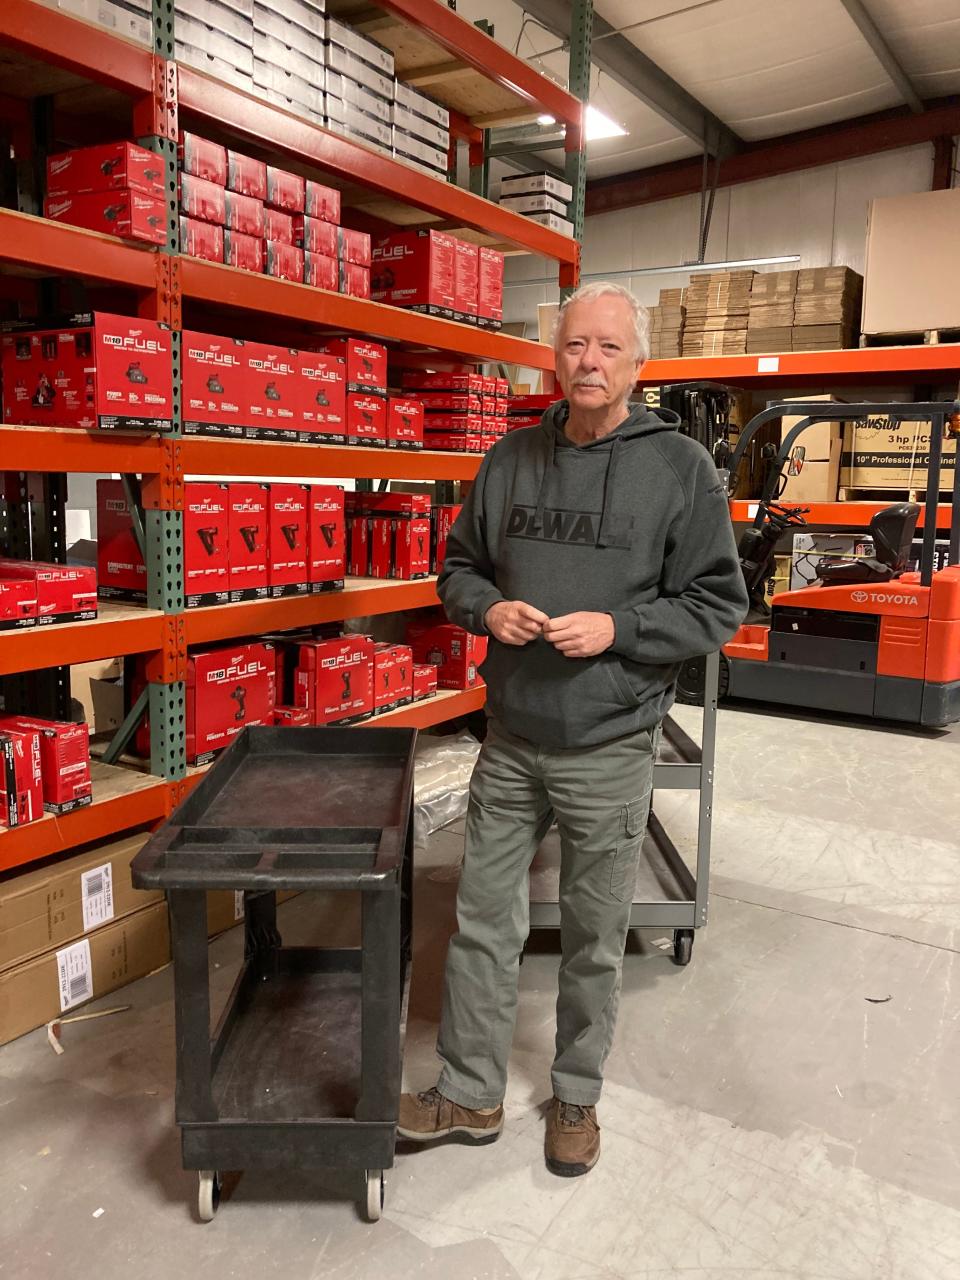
[202, 158]
[128, 214]
[424, 680]
[201, 239]
[274, 392]
[392, 676]
[324, 407]
[109, 167]
[404, 423]
[334, 679]
[18, 605]
[416, 269]
[121, 571]
[288, 540]
[213, 385]
[457, 654]
[227, 689]
[64, 593]
[21, 777]
[206, 533]
[326, 541]
[247, 541]
[64, 760]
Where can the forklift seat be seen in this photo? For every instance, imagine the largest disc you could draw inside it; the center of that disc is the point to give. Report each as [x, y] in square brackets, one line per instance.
[892, 530]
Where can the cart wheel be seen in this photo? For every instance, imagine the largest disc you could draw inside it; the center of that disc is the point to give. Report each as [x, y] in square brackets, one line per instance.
[682, 945]
[208, 1198]
[375, 1189]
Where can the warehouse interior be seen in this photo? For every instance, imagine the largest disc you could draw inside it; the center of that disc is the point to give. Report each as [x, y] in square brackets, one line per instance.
[375, 211]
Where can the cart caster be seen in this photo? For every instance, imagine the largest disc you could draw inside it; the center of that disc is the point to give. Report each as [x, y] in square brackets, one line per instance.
[375, 1189]
[682, 945]
[208, 1198]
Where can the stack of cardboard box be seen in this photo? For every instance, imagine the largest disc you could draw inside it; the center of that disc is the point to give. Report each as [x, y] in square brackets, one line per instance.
[666, 324]
[541, 198]
[827, 309]
[770, 318]
[718, 305]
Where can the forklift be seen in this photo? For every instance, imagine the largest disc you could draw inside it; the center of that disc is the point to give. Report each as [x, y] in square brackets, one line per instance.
[871, 637]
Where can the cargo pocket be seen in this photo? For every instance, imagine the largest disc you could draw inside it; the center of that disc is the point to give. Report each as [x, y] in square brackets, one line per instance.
[633, 824]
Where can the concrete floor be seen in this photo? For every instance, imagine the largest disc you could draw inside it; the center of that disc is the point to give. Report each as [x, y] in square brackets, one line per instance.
[786, 1106]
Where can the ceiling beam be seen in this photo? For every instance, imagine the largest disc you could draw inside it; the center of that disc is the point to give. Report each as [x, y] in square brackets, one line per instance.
[885, 55]
[634, 71]
[885, 131]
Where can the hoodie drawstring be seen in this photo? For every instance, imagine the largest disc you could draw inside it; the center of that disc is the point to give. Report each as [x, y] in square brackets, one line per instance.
[609, 483]
[544, 483]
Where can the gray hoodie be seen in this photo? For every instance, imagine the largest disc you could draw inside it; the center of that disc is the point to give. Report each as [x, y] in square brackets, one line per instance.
[635, 525]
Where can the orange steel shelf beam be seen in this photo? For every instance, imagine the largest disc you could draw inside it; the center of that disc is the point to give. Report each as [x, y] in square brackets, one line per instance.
[422, 715]
[212, 100]
[55, 247]
[209, 456]
[793, 367]
[362, 596]
[64, 449]
[89, 51]
[210, 282]
[855, 514]
[117, 631]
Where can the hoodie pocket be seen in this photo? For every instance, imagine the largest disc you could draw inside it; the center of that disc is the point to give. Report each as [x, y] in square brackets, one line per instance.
[622, 685]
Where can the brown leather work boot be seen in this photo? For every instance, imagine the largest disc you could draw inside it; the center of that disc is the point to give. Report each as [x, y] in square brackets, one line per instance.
[572, 1144]
[424, 1117]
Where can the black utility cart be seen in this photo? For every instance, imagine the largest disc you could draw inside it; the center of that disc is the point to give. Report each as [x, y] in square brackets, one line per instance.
[303, 1069]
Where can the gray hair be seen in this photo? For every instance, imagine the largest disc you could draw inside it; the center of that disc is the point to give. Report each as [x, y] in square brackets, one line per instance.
[601, 289]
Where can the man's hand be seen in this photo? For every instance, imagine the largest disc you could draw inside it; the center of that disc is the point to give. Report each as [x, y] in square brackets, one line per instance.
[580, 635]
[513, 622]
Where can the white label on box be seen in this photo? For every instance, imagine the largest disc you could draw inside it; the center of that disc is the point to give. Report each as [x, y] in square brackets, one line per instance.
[238, 904]
[96, 888]
[752, 510]
[768, 364]
[75, 972]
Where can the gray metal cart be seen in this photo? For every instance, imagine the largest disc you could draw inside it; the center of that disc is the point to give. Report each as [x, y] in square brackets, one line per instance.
[303, 1069]
[668, 895]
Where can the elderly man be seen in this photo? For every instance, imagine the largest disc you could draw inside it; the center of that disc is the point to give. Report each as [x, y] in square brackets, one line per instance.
[596, 552]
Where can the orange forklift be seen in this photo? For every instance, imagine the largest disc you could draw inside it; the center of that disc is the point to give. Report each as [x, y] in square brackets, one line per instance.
[871, 637]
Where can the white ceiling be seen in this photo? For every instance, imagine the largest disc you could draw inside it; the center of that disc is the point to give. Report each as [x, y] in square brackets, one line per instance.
[764, 67]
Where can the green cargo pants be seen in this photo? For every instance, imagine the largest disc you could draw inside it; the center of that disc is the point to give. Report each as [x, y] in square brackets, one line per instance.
[600, 797]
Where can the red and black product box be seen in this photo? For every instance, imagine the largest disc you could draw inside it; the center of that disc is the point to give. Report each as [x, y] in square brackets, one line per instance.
[353, 246]
[278, 226]
[453, 442]
[322, 202]
[326, 539]
[467, 383]
[202, 199]
[416, 269]
[488, 386]
[274, 392]
[245, 176]
[466, 281]
[128, 214]
[64, 760]
[392, 676]
[18, 605]
[488, 406]
[21, 778]
[366, 418]
[354, 281]
[111, 167]
[227, 689]
[244, 214]
[443, 519]
[243, 251]
[404, 423]
[201, 239]
[334, 679]
[121, 571]
[202, 158]
[206, 535]
[501, 388]
[399, 534]
[247, 541]
[292, 716]
[490, 289]
[285, 190]
[289, 523]
[323, 400]
[453, 423]
[213, 394]
[283, 261]
[321, 272]
[424, 681]
[314, 235]
[450, 402]
[111, 372]
[64, 593]
[358, 537]
[488, 441]
[366, 363]
[455, 653]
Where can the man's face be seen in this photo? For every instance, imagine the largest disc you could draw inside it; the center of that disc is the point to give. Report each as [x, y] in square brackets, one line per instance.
[596, 364]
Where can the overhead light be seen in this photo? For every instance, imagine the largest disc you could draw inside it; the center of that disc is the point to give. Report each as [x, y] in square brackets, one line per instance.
[600, 126]
[546, 120]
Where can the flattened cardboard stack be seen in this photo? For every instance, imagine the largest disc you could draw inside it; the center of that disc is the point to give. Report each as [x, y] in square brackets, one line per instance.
[718, 305]
[827, 309]
[770, 320]
[666, 324]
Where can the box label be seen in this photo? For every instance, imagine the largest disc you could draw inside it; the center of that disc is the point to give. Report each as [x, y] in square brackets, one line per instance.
[96, 889]
[75, 975]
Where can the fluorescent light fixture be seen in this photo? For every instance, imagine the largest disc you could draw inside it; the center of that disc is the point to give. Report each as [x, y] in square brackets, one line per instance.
[546, 120]
[681, 268]
[600, 126]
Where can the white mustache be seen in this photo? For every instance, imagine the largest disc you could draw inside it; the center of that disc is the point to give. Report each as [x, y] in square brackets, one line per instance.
[590, 382]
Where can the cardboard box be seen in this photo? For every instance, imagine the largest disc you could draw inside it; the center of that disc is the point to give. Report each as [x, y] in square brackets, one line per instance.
[467, 280]
[443, 381]
[553, 222]
[535, 202]
[245, 214]
[334, 679]
[21, 777]
[230, 47]
[201, 239]
[424, 681]
[357, 122]
[86, 682]
[227, 689]
[366, 362]
[303, 57]
[110, 167]
[536, 184]
[321, 202]
[64, 593]
[414, 150]
[813, 469]
[206, 531]
[243, 251]
[404, 423]
[451, 442]
[810, 548]
[324, 408]
[203, 200]
[18, 605]
[443, 518]
[246, 176]
[279, 226]
[283, 261]
[57, 904]
[202, 158]
[456, 653]
[315, 235]
[417, 269]
[291, 21]
[912, 274]
[392, 676]
[447, 402]
[490, 288]
[128, 214]
[248, 552]
[417, 102]
[54, 982]
[285, 190]
[121, 571]
[275, 392]
[220, 68]
[337, 33]
[353, 246]
[288, 540]
[366, 418]
[110, 372]
[781, 577]
[358, 541]
[213, 395]
[411, 123]
[354, 280]
[452, 423]
[321, 272]
[886, 454]
[289, 91]
[326, 542]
